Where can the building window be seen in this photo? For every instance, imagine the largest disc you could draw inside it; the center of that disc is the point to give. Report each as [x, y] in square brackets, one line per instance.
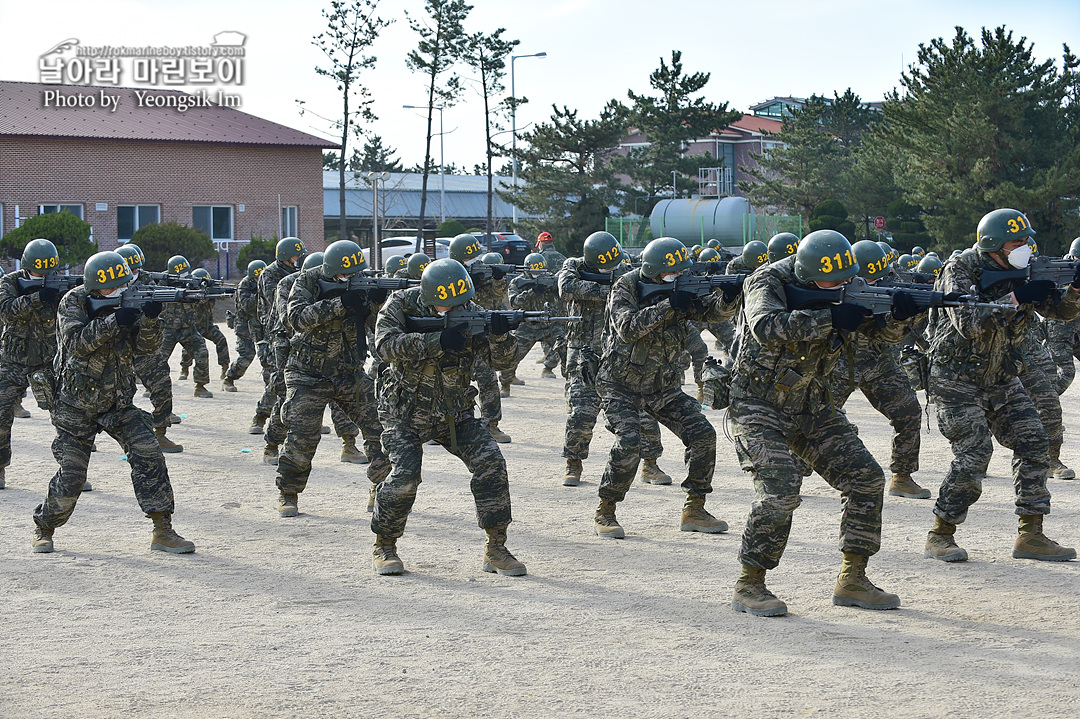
[130, 218]
[49, 209]
[216, 220]
[289, 225]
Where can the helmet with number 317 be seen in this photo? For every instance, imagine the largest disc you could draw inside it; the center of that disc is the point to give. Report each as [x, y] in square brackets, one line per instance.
[825, 256]
[446, 283]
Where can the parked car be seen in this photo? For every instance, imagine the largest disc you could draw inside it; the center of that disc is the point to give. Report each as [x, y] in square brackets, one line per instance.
[513, 248]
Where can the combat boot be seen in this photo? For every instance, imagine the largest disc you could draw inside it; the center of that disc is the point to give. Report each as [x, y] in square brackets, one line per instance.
[1057, 469]
[700, 392]
[86, 486]
[175, 419]
[166, 444]
[696, 519]
[183, 373]
[42, 543]
[652, 474]
[497, 558]
[165, 538]
[324, 430]
[572, 477]
[201, 391]
[499, 436]
[1031, 543]
[287, 505]
[270, 454]
[224, 371]
[902, 485]
[753, 597]
[504, 389]
[854, 589]
[371, 497]
[384, 558]
[349, 452]
[20, 411]
[547, 373]
[227, 385]
[517, 381]
[257, 424]
[2, 482]
[604, 523]
[941, 545]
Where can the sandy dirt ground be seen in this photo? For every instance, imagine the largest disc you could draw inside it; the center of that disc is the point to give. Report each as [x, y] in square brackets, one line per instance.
[285, 617]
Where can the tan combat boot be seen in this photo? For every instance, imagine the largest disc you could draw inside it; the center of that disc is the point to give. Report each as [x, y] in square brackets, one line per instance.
[270, 454]
[201, 391]
[547, 373]
[854, 589]
[497, 558]
[257, 424]
[696, 519]
[324, 430]
[700, 392]
[183, 373]
[175, 419]
[165, 538]
[1031, 543]
[86, 486]
[517, 381]
[225, 370]
[499, 436]
[42, 543]
[604, 523]
[1057, 469]
[287, 505]
[941, 545]
[753, 597]
[166, 444]
[572, 476]
[227, 385]
[349, 451]
[371, 497]
[384, 558]
[20, 411]
[902, 485]
[652, 474]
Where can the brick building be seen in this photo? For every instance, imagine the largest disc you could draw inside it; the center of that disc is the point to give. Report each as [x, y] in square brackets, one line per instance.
[231, 174]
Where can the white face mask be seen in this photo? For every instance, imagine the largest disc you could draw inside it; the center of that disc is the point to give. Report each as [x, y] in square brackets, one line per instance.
[112, 292]
[607, 271]
[470, 263]
[1020, 257]
[669, 278]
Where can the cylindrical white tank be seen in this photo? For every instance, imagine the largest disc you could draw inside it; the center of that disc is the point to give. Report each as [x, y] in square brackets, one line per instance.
[695, 220]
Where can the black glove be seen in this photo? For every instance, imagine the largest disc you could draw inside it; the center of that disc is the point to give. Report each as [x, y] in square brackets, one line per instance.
[539, 289]
[733, 291]
[904, 306]
[953, 296]
[848, 316]
[452, 339]
[49, 295]
[354, 299]
[500, 324]
[1076, 277]
[152, 309]
[127, 316]
[681, 301]
[1033, 292]
[377, 296]
[498, 272]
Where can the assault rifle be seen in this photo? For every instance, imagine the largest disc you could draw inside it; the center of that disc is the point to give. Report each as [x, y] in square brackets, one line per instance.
[480, 270]
[479, 322]
[544, 280]
[137, 295]
[708, 268]
[600, 278]
[917, 278]
[878, 299]
[329, 289]
[697, 285]
[52, 280]
[1056, 269]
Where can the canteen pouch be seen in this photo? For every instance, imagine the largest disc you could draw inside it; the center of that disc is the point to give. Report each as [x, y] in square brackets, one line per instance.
[43, 385]
[716, 385]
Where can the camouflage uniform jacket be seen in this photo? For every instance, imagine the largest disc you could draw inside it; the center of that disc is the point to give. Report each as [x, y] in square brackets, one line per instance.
[424, 384]
[523, 296]
[981, 345]
[644, 340]
[247, 309]
[278, 319]
[586, 299]
[268, 280]
[491, 294]
[324, 331]
[738, 266]
[786, 358]
[554, 258]
[29, 325]
[93, 364]
[203, 313]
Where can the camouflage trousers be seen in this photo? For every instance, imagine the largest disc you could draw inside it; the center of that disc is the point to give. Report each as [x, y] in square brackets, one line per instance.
[221, 346]
[194, 343]
[274, 398]
[526, 336]
[765, 440]
[724, 332]
[75, 433]
[583, 407]
[489, 398]
[695, 353]
[1063, 344]
[245, 355]
[13, 384]
[1040, 380]
[475, 447]
[305, 402]
[153, 371]
[888, 390]
[968, 415]
[679, 412]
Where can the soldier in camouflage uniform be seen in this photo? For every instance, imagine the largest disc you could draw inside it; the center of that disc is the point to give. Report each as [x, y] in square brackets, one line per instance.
[179, 322]
[95, 386]
[780, 406]
[1063, 340]
[1039, 377]
[204, 325]
[426, 395]
[639, 373]
[532, 293]
[587, 298]
[975, 362]
[246, 324]
[555, 347]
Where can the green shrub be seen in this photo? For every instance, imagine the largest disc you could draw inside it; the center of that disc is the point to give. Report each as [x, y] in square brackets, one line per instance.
[450, 228]
[256, 249]
[70, 235]
[832, 215]
[160, 242]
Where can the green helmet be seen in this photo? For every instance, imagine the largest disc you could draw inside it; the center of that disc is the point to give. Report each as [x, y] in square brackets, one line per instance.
[912, 263]
[465, 248]
[40, 257]
[289, 247]
[755, 254]
[134, 256]
[1034, 246]
[930, 266]
[906, 262]
[664, 255]
[825, 256]
[491, 258]
[201, 274]
[446, 283]
[536, 262]
[713, 244]
[873, 264]
[933, 254]
[696, 251]
[709, 255]
[106, 270]
[254, 269]
[782, 245]
[416, 265]
[313, 260]
[393, 264]
[1000, 226]
[917, 250]
[177, 265]
[1074, 248]
[602, 251]
[956, 252]
[343, 258]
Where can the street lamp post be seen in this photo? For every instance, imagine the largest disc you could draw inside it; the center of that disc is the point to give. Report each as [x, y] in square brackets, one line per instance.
[442, 177]
[513, 127]
[376, 249]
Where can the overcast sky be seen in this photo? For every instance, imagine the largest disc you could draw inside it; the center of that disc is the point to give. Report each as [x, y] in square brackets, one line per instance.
[597, 49]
